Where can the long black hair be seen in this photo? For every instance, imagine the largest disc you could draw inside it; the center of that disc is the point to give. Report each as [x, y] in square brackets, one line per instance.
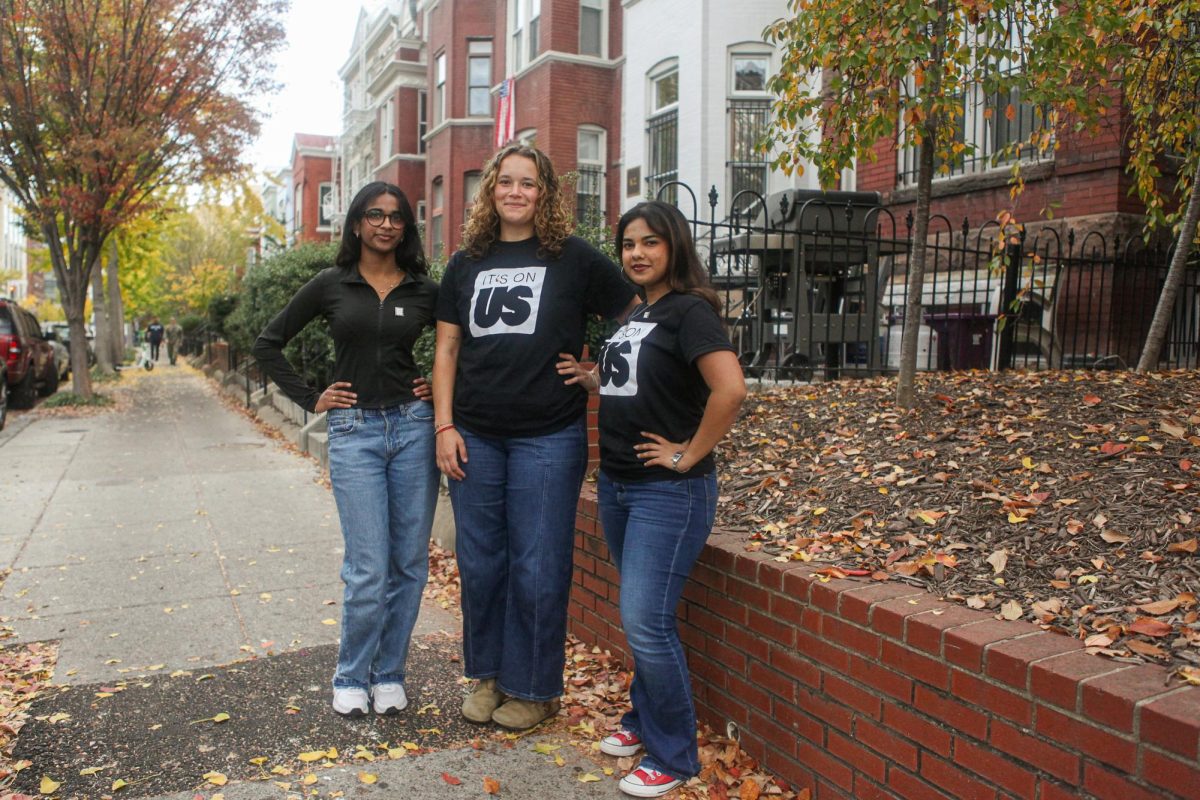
[410, 255]
[685, 273]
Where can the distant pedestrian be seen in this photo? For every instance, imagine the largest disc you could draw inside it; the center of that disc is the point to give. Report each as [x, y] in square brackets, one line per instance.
[510, 436]
[174, 334]
[670, 388]
[377, 300]
[154, 335]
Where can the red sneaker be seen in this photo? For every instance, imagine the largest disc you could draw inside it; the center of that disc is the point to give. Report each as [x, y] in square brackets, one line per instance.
[648, 783]
[621, 744]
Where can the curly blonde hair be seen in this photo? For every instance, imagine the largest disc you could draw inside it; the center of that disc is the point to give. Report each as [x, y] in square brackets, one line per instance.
[552, 222]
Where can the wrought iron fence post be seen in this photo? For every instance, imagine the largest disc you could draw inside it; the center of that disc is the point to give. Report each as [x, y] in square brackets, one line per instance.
[1012, 276]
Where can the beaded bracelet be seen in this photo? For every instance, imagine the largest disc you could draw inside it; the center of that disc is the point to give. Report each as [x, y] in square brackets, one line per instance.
[442, 428]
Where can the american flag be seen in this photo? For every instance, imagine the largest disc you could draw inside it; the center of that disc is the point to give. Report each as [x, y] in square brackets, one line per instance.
[506, 114]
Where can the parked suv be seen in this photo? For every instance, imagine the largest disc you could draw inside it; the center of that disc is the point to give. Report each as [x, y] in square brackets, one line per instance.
[28, 358]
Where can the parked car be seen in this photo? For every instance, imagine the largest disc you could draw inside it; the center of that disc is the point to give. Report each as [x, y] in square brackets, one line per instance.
[62, 353]
[3, 394]
[28, 357]
[62, 332]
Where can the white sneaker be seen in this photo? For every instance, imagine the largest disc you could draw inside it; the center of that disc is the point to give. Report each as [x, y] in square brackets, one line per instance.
[389, 698]
[644, 782]
[350, 701]
[621, 744]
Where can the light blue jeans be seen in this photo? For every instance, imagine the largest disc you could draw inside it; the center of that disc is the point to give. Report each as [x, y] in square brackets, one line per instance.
[385, 482]
[655, 532]
[514, 515]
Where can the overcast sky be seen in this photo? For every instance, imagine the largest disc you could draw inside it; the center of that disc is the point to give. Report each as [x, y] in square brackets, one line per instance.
[319, 35]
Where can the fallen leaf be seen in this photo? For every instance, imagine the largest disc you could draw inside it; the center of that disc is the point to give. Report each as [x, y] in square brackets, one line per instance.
[1150, 627]
[1112, 537]
[1146, 649]
[309, 779]
[311, 755]
[370, 777]
[91, 770]
[750, 790]
[491, 785]
[1159, 607]
[1183, 547]
[545, 749]
[48, 785]
[215, 778]
[1098, 640]
[450, 779]
[1010, 610]
[118, 785]
[1091, 400]
[589, 777]
[998, 560]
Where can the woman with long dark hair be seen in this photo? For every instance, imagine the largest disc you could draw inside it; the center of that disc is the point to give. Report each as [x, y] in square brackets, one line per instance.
[510, 434]
[377, 300]
[670, 388]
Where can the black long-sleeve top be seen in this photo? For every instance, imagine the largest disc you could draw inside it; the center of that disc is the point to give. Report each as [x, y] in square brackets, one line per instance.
[373, 339]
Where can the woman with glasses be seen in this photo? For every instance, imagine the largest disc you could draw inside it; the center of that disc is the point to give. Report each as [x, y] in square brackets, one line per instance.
[377, 299]
[510, 434]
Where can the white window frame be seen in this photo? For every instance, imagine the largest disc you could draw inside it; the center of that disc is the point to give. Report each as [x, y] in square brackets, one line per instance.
[387, 130]
[527, 136]
[479, 50]
[471, 182]
[593, 165]
[602, 7]
[660, 72]
[439, 88]
[743, 53]
[657, 117]
[524, 32]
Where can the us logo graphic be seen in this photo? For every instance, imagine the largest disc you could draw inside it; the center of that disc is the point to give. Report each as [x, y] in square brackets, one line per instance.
[506, 301]
[619, 359]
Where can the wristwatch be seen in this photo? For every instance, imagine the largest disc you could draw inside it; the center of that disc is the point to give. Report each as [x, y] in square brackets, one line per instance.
[675, 459]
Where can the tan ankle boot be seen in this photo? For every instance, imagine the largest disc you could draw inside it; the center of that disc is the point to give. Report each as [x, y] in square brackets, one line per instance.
[480, 703]
[520, 715]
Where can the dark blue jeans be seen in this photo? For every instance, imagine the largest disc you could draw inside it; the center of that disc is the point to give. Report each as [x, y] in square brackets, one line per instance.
[655, 532]
[514, 516]
[385, 480]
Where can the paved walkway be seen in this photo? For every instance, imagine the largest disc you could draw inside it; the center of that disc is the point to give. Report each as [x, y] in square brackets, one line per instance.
[188, 565]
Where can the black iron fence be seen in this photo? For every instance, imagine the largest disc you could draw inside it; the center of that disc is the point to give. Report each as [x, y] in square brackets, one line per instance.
[815, 285]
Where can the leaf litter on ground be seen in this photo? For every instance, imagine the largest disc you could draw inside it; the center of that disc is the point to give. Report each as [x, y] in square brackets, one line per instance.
[1070, 500]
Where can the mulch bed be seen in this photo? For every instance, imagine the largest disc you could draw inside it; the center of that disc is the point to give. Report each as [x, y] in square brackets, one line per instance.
[1067, 499]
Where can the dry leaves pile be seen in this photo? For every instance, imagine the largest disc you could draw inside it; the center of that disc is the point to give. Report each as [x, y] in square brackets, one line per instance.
[25, 671]
[444, 587]
[1071, 500]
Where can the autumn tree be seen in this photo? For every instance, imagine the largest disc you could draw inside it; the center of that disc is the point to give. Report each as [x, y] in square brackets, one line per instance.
[104, 101]
[1157, 45]
[854, 72]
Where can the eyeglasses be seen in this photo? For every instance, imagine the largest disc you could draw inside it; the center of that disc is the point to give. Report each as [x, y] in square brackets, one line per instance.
[376, 216]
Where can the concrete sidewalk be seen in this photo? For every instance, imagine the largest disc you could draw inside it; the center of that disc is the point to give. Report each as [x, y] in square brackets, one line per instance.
[191, 563]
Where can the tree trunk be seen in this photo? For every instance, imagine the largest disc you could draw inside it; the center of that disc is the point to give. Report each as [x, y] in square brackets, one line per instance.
[116, 304]
[104, 358]
[1166, 301]
[73, 280]
[915, 279]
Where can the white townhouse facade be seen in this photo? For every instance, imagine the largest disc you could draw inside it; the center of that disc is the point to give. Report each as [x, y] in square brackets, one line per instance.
[696, 100]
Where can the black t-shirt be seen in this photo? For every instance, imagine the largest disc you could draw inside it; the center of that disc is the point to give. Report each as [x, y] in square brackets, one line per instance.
[372, 338]
[517, 313]
[649, 381]
[155, 332]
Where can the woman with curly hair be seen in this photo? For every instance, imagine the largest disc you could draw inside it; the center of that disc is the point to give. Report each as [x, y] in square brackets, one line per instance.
[510, 433]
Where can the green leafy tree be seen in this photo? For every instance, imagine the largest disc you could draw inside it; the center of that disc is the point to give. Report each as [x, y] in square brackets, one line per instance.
[104, 101]
[1157, 46]
[266, 289]
[854, 72]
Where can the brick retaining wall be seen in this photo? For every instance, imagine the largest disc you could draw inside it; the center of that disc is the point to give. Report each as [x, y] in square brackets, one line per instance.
[856, 689]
